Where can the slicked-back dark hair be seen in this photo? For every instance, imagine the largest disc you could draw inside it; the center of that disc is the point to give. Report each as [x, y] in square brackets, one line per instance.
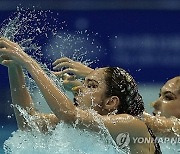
[121, 84]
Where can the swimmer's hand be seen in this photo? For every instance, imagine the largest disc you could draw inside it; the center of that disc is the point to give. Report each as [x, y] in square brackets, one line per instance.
[6, 61]
[70, 81]
[11, 52]
[70, 67]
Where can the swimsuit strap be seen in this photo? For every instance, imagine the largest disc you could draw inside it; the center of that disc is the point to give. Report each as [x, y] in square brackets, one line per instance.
[156, 144]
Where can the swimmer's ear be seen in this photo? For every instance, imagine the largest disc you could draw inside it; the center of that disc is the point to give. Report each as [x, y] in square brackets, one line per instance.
[112, 103]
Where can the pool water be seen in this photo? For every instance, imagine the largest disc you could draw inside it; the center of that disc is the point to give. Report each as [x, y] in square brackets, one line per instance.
[64, 139]
[5, 131]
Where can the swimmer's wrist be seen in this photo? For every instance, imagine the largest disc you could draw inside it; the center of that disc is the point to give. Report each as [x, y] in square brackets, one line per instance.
[26, 60]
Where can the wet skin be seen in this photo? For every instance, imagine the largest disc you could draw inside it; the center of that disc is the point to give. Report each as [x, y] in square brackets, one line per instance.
[92, 93]
[168, 103]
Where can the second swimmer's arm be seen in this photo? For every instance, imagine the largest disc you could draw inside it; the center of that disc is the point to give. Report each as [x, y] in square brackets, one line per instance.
[162, 126]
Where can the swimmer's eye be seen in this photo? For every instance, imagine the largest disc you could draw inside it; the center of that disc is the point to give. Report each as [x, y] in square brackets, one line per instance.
[92, 86]
[169, 97]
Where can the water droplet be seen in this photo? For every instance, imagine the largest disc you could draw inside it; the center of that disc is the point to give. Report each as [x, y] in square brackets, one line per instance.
[9, 117]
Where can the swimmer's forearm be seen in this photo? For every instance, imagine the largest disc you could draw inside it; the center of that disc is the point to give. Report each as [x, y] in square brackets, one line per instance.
[21, 97]
[19, 94]
[59, 103]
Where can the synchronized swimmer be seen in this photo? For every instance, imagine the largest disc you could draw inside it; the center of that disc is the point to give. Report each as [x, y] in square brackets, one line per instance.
[110, 91]
[166, 119]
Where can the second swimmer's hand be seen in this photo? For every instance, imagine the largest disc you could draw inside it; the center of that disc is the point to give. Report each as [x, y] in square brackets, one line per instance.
[78, 69]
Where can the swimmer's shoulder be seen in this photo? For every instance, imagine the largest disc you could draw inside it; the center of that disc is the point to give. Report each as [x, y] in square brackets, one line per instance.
[122, 123]
[130, 128]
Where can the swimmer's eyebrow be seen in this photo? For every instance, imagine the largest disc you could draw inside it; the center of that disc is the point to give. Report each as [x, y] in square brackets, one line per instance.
[169, 92]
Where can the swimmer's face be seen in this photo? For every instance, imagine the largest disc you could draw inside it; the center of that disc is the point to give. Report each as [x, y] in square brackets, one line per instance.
[168, 103]
[92, 93]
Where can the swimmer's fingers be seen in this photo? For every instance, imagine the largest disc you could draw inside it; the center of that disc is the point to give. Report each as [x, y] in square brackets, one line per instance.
[9, 47]
[6, 47]
[5, 51]
[77, 68]
[68, 77]
[68, 85]
[6, 40]
[59, 66]
[64, 59]
[65, 76]
[68, 70]
[4, 44]
[6, 61]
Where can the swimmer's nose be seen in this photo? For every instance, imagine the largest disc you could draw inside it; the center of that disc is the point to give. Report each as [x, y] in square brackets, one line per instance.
[156, 105]
[76, 90]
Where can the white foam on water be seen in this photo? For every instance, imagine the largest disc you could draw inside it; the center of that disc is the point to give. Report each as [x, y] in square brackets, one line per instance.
[64, 139]
[168, 148]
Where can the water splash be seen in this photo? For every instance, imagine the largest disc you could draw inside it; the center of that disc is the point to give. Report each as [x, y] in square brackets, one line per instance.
[27, 28]
[65, 139]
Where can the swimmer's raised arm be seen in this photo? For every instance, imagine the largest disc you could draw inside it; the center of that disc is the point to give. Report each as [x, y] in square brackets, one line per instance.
[162, 126]
[59, 103]
[22, 98]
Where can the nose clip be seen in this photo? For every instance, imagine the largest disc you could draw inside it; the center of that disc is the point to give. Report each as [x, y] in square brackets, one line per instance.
[75, 88]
